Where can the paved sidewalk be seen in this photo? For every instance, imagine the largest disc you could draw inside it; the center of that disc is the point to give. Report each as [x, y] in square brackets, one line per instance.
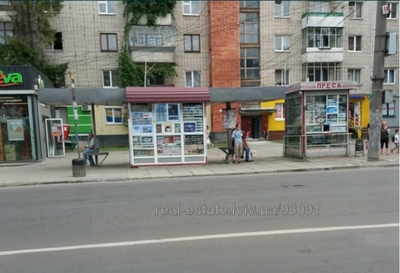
[267, 159]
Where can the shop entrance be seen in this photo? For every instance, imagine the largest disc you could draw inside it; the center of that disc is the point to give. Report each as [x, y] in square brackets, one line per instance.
[56, 133]
[251, 124]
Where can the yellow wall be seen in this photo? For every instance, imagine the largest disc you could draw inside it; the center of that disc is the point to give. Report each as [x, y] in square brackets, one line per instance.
[365, 111]
[107, 129]
[274, 125]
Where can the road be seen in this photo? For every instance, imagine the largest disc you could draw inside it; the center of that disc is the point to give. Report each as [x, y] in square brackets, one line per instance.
[136, 227]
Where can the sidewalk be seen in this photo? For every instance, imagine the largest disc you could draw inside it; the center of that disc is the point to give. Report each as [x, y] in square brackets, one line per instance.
[267, 159]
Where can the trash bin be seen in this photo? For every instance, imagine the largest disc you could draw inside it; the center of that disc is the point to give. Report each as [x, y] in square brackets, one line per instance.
[78, 167]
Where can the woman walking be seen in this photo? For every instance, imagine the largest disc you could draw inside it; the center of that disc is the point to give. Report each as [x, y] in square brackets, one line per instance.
[384, 137]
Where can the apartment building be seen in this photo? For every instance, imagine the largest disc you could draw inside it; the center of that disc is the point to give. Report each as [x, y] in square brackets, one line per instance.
[226, 44]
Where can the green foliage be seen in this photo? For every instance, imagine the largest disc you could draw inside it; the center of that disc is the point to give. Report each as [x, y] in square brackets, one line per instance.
[32, 29]
[136, 9]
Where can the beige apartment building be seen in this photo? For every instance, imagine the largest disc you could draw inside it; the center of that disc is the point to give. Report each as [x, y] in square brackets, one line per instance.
[224, 44]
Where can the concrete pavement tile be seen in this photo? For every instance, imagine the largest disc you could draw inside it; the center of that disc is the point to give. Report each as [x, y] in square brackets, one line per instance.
[200, 171]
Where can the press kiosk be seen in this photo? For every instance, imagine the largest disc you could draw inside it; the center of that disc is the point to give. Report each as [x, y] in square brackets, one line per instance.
[316, 119]
[167, 125]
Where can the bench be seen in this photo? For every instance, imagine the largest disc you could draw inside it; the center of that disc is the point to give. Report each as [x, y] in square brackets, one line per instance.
[96, 156]
[229, 154]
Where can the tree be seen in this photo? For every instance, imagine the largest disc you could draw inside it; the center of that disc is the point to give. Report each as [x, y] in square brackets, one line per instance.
[32, 31]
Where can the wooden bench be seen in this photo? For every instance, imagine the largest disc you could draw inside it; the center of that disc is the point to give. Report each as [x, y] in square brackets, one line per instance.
[96, 156]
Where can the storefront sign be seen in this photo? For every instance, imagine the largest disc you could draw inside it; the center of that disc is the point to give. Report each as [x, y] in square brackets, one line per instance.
[10, 79]
[329, 85]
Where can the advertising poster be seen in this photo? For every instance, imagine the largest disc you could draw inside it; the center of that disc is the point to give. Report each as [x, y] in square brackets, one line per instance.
[189, 127]
[229, 118]
[15, 129]
[147, 129]
[137, 130]
[167, 127]
[173, 111]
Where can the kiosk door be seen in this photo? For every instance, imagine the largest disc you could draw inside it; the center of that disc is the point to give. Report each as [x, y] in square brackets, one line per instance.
[55, 137]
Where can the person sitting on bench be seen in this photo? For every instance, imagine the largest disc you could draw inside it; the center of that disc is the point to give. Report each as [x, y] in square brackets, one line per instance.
[246, 150]
[89, 149]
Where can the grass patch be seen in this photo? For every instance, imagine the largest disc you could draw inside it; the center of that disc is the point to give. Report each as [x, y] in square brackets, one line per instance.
[105, 149]
[220, 144]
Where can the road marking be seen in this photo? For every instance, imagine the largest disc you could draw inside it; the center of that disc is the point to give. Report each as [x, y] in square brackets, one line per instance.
[195, 238]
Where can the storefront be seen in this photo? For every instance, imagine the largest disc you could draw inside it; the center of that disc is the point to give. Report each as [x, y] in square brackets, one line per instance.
[167, 125]
[316, 119]
[21, 127]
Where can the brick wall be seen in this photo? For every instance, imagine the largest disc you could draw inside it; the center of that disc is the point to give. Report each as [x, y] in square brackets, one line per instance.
[224, 53]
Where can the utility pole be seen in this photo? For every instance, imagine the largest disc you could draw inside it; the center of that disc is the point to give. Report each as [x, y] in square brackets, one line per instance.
[75, 112]
[377, 78]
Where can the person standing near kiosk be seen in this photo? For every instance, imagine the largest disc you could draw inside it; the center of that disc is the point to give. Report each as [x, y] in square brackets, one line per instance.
[238, 146]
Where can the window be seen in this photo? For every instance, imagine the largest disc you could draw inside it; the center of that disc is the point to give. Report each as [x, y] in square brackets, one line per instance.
[319, 6]
[281, 77]
[390, 76]
[393, 11]
[388, 110]
[6, 30]
[249, 28]
[193, 79]
[282, 9]
[355, 10]
[57, 44]
[191, 7]
[113, 114]
[282, 43]
[354, 43]
[280, 111]
[318, 72]
[108, 42]
[322, 37]
[107, 7]
[354, 75]
[249, 4]
[249, 63]
[192, 43]
[110, 79]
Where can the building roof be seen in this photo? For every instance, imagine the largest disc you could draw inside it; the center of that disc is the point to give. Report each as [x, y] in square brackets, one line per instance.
[167, 94]
[247, 94]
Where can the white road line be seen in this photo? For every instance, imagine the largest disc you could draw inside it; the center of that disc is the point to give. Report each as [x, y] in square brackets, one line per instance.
[196, 238]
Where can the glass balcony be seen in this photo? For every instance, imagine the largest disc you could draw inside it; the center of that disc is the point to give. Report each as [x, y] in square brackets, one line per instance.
[322, 19]
[159, 38]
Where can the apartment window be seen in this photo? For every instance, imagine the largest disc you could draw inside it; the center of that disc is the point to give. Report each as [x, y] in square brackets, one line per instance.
[249, 28]
[280, 111]
[108, 42]
[354, 75]
[393, 11]
[281, 77]
[318, 72]
[6, 30]
[282, 43]
[191, 7]
[107, 7]
[113, 114]
[249, 4]
[282, 8]
[249, 63]
[192, 43]
[354, 43]
[388, 110]
[110, 79]
[319, 6]
[322, 37]
[57, 44]
[192, 79]
[355, 10]
[390, 76]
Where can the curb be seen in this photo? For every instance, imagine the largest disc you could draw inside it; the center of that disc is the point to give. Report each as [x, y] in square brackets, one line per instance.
[118, 179]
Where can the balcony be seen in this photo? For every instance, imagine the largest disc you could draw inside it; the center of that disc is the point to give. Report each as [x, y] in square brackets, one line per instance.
[322, 19]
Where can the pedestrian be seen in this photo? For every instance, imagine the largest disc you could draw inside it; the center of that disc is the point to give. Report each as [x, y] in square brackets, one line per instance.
[384, 137]
[89, 149]
[246, 149]
[208, 133]
[396, 141]
[367, 142]
[238, 143]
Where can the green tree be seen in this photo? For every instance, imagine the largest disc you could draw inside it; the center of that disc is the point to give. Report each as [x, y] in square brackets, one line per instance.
[32, 30]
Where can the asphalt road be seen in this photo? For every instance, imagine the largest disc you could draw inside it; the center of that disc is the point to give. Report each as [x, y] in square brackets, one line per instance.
[287, 220]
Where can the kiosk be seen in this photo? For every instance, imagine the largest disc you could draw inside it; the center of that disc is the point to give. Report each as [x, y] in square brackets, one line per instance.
[165, 128]
[316, 122]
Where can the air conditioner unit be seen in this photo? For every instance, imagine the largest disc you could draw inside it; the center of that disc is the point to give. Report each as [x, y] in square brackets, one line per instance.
[86, 108]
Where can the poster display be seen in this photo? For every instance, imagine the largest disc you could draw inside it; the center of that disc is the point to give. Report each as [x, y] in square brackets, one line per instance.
[15, 129]
[229, 118]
